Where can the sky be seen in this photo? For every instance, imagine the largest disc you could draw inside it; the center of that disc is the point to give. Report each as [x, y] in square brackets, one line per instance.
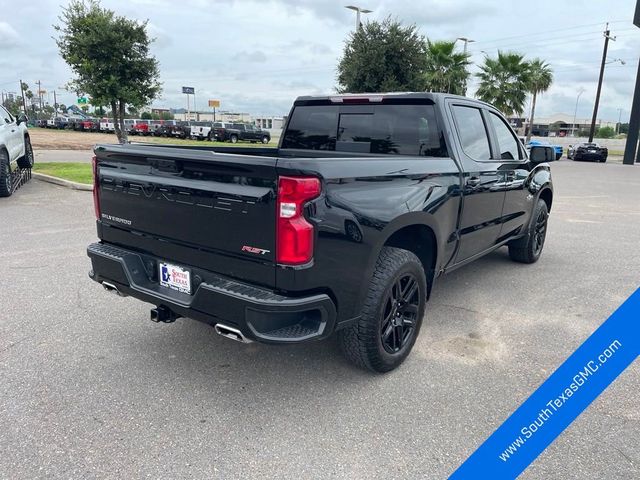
[257, 57]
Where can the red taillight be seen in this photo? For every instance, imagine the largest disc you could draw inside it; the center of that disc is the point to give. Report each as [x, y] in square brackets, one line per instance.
[294, 234]
[96, 183]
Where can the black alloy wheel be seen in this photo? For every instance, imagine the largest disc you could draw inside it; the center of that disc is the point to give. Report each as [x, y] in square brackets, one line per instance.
[400, 312]
[540, 232]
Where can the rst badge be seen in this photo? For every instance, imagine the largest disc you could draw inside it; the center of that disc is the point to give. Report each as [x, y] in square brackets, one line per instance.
[175, 278]
[256, 250]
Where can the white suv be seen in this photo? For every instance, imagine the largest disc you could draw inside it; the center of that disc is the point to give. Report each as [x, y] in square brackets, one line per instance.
[15, 147]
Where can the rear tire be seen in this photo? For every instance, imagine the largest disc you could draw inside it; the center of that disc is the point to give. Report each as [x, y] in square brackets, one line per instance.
[392, 314]
[26, 161]
[529, 248]
[5, 174]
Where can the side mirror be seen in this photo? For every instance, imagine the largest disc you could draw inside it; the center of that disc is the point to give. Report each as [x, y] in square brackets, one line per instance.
[22, 118]
[541, 154]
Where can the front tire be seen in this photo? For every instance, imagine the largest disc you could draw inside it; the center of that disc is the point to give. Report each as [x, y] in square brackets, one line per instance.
[27, 160]
[529, 249]
[234, 139]
[392, 314]
[265, 140]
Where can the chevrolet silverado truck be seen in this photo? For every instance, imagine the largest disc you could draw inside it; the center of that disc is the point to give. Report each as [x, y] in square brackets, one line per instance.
[244, 132]
[15, 148]
[343, 228]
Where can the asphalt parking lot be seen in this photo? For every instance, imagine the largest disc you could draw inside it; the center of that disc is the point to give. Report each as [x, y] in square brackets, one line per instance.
[92, 389]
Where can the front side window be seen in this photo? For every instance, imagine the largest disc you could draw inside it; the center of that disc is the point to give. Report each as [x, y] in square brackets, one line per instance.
[472, 132]
[507, 142]
[5, 115]
[380, 129]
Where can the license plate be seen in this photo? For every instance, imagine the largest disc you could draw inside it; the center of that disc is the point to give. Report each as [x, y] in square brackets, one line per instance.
[175, 278]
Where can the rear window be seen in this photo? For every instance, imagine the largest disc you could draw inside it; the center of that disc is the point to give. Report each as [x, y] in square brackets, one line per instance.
[381, 129]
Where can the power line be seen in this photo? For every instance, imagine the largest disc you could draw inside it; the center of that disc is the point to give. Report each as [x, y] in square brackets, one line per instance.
[548, 31]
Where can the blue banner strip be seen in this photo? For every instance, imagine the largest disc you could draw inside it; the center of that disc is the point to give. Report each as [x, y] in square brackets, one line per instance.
[560, 399]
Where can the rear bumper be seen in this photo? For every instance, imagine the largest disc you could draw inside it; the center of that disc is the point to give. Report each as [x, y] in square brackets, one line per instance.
[260, 314]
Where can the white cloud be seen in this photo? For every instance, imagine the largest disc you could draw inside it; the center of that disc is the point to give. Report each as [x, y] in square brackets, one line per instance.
[257, 56]
[8, 36]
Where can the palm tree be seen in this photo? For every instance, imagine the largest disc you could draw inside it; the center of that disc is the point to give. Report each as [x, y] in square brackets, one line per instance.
[446, 70]
[540, 79]
[504, 82]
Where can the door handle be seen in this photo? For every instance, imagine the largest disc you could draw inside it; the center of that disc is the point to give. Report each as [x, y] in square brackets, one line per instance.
[473, 181]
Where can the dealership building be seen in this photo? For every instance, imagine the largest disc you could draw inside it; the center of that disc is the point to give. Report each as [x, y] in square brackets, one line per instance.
[557, 125]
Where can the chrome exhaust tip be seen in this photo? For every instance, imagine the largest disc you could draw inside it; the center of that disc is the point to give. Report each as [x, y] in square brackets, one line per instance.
[110, 287]
[231, 333]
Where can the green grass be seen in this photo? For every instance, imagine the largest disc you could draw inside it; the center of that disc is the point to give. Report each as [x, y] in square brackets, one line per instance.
[76, 172]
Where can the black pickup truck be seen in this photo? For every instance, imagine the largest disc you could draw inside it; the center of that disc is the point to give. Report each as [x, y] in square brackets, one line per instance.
[343, 228]
[246, 132]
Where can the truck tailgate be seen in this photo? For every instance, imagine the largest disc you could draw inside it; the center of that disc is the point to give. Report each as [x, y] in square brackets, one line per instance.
[192, 207]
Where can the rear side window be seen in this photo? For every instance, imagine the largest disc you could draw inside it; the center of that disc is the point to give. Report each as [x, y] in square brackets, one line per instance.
[472, 132]
[380, 129]
[507, 142]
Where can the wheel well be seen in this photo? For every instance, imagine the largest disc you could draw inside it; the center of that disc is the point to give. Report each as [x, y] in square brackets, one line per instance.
[420, 240]
[547, 196]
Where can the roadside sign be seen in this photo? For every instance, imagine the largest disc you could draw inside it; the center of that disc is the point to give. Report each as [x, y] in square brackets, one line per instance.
[82, 100]
[189, 90]
[214, 103]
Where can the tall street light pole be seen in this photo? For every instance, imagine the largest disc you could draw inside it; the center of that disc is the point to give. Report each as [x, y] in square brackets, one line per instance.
[575, 112]
[358, 11]
[607, 37]
[466, 41]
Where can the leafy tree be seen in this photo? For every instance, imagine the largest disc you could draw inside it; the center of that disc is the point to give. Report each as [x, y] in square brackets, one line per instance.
[504, 82]
[382, 57]
[99, 111]
[624, 128]
[133, 112]
[146, 116]
[540, 79]
[605, 132]
[446, 69]
[110, 57]
[166, 116]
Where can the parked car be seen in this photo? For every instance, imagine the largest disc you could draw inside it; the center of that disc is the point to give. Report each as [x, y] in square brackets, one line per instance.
[107, 126]
[180, 130]
[90, 125]
[57, 122]
[141, 127]
[557, 148]
[201, 130]
[237, 239]
[164, 128]
[15, 148]
[244, 132]
[220, 131]
[588, 151]
[41, 122]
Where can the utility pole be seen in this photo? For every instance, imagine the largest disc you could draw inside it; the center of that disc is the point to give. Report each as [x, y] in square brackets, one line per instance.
[619, 119]
[358, 11]
[607, 37]
[634, 119]
[575, 112]
[466, 41]
[40, 93]
[24, 102]
[55, 103]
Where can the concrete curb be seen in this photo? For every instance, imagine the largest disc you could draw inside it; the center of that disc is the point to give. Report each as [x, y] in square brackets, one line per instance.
[63, 183]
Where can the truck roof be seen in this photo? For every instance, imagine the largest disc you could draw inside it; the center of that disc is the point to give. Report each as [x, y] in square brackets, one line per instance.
[435, 97]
